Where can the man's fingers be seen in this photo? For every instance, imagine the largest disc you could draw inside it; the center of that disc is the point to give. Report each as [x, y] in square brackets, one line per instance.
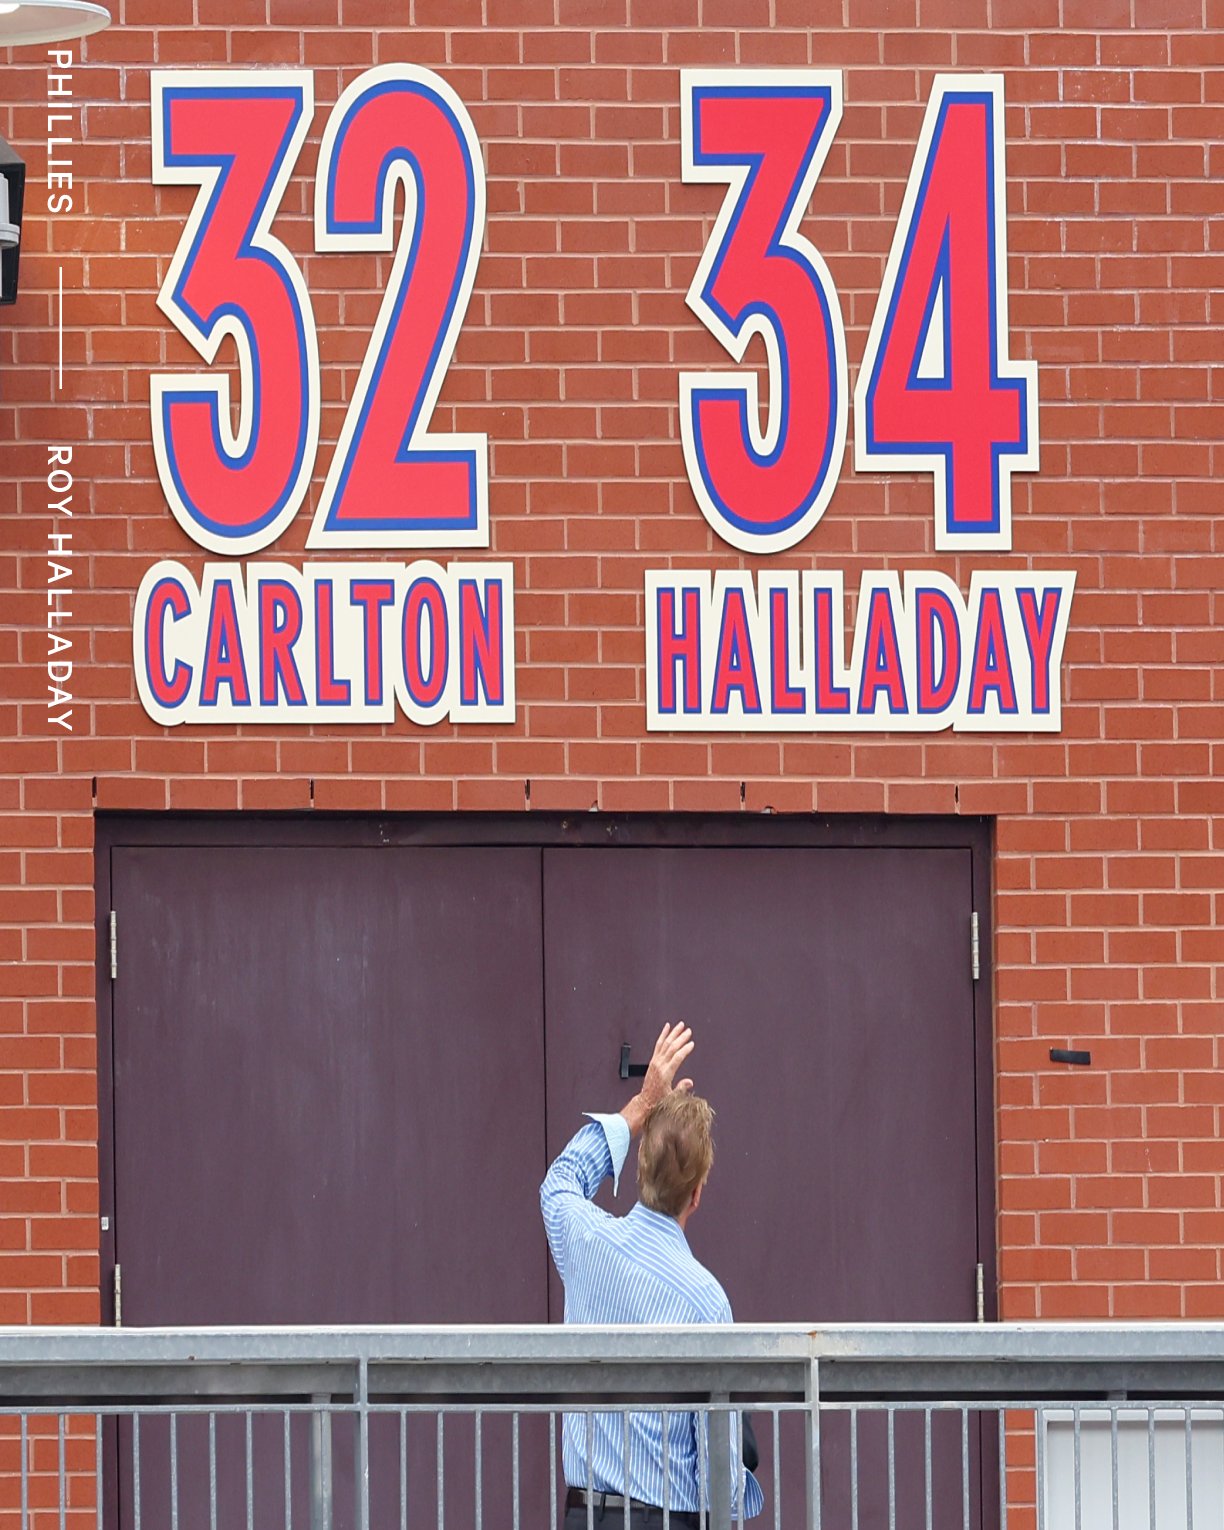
[685, 1086]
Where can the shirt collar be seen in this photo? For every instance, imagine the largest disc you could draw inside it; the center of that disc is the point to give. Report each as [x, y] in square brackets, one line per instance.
[659, 1220]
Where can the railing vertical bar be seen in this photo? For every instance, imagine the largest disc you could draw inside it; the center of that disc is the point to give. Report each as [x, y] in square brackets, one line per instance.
[479, 1446]
[363, 1444]
[403, 1462]
[741, 1484]
[1039, 1442]
[174, 1514]
[98, 1485]
[965, 1467]
[514, 1466]
[320, 1466]
[741, 1489]
[1077, 1458]
[1113, 1462]
[288, 1455]
[441, 1451]
[212, 1471]
[249, 1467]
[1189, 1476]
[590, 1469]
[626, 1488]
[136, 1470]
[892, 1469]
[854, 1470]
[812, 1441]
[63, 1474]
[552, 1470]
[665, 1420]
[926, 1464]
[777, 1471]
[1151, 1443]
[720, 1464]
[703, 1465]
[1003, 1470]
[25, 1474]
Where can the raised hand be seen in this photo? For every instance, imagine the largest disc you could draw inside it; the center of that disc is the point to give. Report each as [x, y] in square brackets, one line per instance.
[671, 1049]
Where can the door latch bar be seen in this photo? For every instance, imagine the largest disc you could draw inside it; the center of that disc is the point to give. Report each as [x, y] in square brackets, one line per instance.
[628, 1069]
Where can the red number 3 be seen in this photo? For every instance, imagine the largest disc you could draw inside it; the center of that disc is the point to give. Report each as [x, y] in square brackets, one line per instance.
[236, 136]
[766, 134]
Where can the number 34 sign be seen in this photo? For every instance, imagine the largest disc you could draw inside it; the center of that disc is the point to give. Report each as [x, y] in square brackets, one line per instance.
[937, 393]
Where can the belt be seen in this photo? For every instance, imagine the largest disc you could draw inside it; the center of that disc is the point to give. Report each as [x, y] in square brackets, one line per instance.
[576, 1498]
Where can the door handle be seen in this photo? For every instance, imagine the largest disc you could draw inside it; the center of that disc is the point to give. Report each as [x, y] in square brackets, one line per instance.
[629, 1069]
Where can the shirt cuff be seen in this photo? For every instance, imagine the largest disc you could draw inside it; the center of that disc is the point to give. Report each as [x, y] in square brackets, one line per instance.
[616, 1134]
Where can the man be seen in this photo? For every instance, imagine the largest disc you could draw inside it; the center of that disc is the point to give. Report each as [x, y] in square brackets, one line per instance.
[638, 1269]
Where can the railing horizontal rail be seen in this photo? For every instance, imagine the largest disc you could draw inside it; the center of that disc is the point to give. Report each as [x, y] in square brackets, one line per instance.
[1013, 1362]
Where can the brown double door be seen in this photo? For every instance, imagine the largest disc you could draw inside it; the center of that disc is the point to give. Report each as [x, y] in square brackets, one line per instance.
[339, 1068]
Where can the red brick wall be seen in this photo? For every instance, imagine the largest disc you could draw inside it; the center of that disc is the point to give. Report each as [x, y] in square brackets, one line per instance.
[1110, 879]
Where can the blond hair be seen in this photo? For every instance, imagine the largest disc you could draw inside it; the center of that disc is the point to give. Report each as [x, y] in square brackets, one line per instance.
[675, 1153]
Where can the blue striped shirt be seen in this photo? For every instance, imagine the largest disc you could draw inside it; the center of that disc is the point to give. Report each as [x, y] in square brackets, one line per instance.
[631, 1269]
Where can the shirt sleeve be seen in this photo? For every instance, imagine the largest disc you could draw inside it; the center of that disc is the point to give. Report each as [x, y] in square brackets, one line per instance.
[596, 1152]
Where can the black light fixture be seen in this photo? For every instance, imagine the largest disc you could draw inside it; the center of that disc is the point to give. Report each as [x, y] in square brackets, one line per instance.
[12, 196]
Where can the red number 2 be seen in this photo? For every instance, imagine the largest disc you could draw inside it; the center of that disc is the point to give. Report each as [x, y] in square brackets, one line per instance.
[392, 482]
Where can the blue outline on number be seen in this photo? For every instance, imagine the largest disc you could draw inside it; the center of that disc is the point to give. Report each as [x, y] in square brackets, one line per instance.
[774, 248]
[374, 225]
[206, 326]
[167, 681]
[940, 282]
[952, 527]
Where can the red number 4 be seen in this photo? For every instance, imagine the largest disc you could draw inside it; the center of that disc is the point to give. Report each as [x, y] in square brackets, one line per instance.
[937, 391]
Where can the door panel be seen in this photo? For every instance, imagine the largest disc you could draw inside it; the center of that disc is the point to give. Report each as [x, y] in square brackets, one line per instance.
[830, 995]
[315, 1052]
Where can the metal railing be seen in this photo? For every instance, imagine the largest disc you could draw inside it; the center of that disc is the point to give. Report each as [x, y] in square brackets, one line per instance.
[936, 1427]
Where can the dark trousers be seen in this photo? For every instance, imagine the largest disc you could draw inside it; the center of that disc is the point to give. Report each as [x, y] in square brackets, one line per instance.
[642, 1516]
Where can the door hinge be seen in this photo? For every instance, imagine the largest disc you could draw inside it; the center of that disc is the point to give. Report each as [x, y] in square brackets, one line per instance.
[118, 1290]
[114, 945]
[980, 1304]
[975, 948]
